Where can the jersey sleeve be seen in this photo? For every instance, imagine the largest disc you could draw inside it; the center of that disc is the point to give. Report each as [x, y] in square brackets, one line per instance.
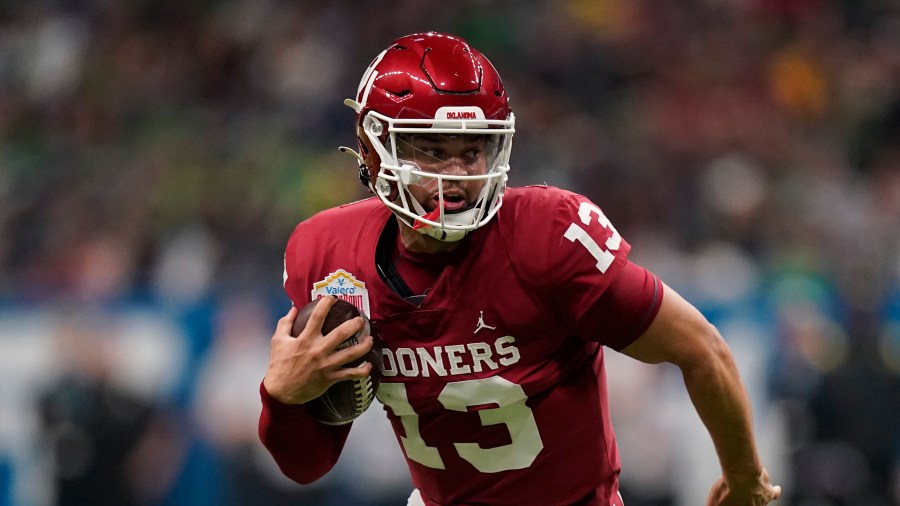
[603, 296]
[303, 448]
[625, 309]
[577, 258]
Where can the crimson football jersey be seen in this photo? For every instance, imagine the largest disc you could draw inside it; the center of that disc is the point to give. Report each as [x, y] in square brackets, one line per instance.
[495, 384]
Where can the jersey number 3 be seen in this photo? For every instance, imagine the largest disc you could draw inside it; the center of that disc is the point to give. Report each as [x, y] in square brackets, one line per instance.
[576, 232]
[511, 411]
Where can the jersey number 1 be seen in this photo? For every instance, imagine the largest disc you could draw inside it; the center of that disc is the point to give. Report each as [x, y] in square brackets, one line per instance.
[576, 232]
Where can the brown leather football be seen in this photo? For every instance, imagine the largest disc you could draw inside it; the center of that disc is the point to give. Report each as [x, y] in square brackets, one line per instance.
[344, 401]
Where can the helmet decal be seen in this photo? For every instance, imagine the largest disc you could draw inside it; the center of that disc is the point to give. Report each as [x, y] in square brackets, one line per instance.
[365, 84]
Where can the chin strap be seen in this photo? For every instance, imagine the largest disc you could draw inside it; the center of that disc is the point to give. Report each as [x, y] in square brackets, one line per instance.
[466, 217]
[442, 234]
[430, 230]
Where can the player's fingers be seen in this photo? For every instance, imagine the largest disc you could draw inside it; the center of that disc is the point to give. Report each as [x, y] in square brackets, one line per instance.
[718, 490]
[317, 317]
[341, 357]
[342, 332]
[286, 322]
[283, 327]
[347, 373]
[777, 489]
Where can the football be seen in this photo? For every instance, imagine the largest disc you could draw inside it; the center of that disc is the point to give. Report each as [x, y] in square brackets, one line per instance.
[344, 401]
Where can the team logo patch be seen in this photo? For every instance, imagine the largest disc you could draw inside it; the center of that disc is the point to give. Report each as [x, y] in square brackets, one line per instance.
[343, 285]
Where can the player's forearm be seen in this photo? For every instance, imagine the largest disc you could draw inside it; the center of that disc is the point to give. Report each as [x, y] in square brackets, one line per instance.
[304, 449]
[719, 396]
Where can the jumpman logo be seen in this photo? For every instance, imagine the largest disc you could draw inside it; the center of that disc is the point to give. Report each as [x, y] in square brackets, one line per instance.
[481, 325]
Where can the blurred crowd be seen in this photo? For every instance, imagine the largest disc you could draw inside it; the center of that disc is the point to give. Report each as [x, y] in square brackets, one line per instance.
[156, 154]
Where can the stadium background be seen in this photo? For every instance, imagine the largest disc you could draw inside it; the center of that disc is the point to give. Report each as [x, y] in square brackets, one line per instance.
[156, 154]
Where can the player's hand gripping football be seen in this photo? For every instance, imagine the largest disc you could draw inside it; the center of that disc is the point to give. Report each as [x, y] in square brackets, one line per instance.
[752, 493]
[302, 368]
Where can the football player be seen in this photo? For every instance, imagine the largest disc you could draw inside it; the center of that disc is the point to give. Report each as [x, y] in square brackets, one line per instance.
[493, 322]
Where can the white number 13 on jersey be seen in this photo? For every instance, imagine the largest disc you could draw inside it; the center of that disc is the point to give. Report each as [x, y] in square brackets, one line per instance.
[576, 232]
[525, 441]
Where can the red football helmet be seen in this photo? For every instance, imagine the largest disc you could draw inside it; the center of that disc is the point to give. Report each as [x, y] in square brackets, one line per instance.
[432, 84]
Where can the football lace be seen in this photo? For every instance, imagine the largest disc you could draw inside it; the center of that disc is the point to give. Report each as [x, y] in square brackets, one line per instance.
[363, 393]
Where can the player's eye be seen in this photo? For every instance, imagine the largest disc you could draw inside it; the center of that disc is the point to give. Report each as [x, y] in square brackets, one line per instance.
[433, 153]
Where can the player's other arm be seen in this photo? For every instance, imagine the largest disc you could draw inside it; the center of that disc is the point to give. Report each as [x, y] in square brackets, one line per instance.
[681, 335]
